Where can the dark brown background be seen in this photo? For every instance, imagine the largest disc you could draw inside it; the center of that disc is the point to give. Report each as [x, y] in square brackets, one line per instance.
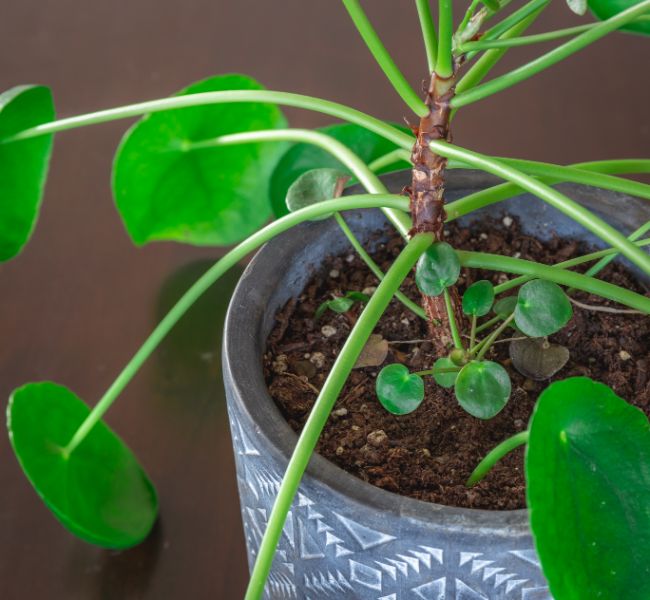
[81, 298]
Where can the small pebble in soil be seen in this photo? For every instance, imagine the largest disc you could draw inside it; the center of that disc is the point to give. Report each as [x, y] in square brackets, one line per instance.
[334, 273]
[328, 330]
[280, 364]
[318, 360]
[623, 355]
[377, 438]
[340, 412]
[369, 291]
[507, 221]
[340, 450]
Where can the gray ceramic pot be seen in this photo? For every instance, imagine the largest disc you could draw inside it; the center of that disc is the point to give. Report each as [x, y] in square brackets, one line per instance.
[345, 538]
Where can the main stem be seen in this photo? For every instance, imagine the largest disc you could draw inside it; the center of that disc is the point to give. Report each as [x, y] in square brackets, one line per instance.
[427, 196]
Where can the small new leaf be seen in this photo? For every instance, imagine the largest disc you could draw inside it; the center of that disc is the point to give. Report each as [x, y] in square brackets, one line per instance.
[542, 308]
[302, 157]
[437, 269]
[399, 391]
[342, 304]
[312, 187]
[99, 491]
[478, 298]
[446, 380]
[482, 388]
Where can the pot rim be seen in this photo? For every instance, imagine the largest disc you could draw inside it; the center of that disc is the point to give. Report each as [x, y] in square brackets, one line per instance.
[241, 338]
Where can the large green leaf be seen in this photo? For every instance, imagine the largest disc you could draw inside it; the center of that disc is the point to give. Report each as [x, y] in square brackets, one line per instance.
[588, 491]
[165, 190]
[23, 164]
[301, 158]
[98, 491]
[604, 9]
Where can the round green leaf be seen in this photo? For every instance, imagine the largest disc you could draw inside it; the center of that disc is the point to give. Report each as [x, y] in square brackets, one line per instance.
[437, 269]
[302, 157]
[399, 391]
[478, 298]
[312, 187]
[446, 380]
[23, 164]
[99, 492]
[542, 308]
[604, 9]
[482, 388]
[588, 491]
[579, 7]
[165, 190]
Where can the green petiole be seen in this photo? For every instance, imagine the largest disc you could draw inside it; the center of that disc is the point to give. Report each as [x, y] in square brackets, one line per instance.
[359, 169]
[374, 267]
[488, 324]
[445, 62]
[437, 371]
[494, 262]
[609, 253]
[221, 266]
[428, 32]
[495, 455]
[486, 344]
[327, 397]
[383, 58]
[527, 40]
[453, 326]
[551, 58]
[553, 197]
[327, 107]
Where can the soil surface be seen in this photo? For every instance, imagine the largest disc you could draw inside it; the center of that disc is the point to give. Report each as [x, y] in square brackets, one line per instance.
[430, 453]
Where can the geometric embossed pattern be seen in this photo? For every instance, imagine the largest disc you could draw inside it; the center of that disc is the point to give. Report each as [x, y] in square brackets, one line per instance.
[330, 550]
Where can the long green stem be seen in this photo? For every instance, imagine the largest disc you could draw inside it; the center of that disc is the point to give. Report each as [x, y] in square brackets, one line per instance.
[488, 324]
[487, 343]
[428, 32]
[332, 109]
[472, 332]
[383, 58]
[556, 173]
[374, 267]
[358, 167]
[484, 44]
[484, 65]
[551, 58]
[507, 264]
[221, 266]
[495, 455]
[503, 191]
[514, 19]
[445, 60]
[603, 262]
[394, 157]
[458, 343]
[553, 197]
[566, 264]
[326, 398]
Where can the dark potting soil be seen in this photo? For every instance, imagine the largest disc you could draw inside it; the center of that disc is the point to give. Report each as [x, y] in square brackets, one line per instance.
[430, 453]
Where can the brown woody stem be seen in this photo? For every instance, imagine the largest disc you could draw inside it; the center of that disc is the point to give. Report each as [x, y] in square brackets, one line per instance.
[427, 196]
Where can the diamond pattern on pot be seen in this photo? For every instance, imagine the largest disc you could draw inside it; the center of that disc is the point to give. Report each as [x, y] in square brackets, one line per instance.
[330, 550]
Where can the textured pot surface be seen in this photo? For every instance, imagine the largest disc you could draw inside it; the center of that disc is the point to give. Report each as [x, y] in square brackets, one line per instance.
[345, 538]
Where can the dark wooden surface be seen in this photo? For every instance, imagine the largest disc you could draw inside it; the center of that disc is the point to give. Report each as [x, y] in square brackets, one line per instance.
[80, 299]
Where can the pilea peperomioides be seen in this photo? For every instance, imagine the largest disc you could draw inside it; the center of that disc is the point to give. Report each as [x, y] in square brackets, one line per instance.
[224, 147]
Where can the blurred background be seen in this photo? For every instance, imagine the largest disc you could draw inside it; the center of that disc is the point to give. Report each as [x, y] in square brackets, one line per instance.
[80, 299]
